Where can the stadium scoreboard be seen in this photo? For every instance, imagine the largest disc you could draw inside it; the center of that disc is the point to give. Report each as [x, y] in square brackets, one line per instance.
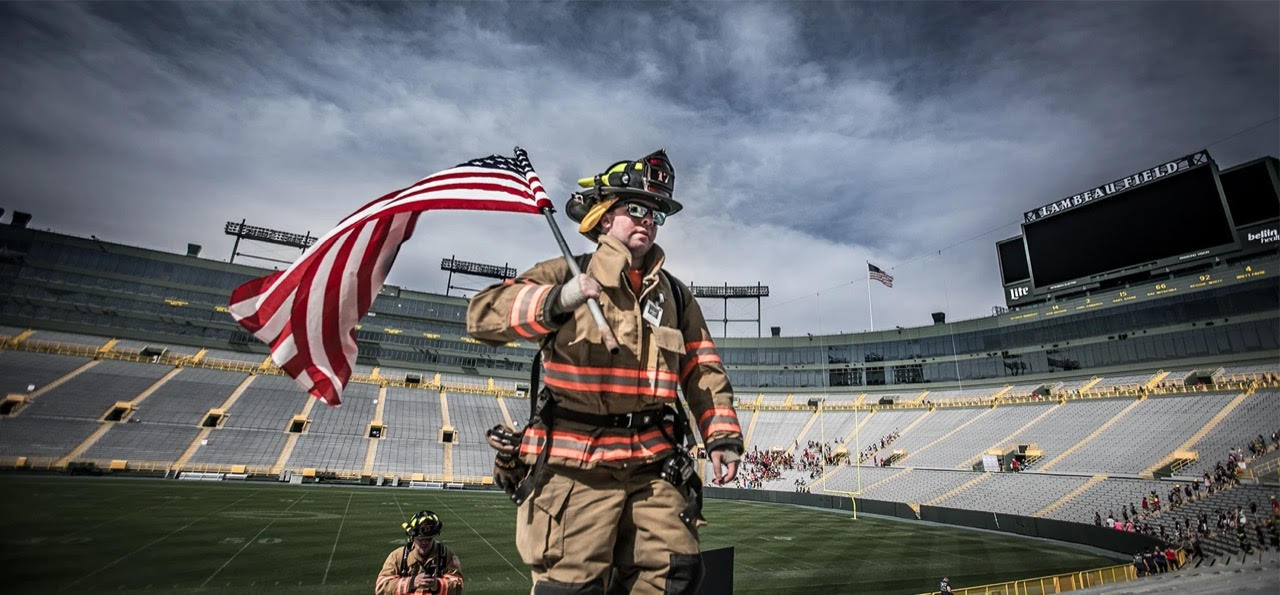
[1182, 216]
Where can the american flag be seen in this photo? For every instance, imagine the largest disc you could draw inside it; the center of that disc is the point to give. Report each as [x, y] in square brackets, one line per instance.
[878, 275]
[308, 312]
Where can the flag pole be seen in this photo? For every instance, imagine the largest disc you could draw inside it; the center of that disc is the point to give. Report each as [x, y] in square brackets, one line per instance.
[606, 334]
[870, 315]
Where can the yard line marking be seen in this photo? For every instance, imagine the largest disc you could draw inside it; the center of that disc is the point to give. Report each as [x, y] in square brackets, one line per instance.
[247, 544]
[335, 539]
[157, 540]
[486, 541]
[398, 507]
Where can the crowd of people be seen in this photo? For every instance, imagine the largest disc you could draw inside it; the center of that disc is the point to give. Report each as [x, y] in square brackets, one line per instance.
[1249, 529]
[760, 466]
[872, 450]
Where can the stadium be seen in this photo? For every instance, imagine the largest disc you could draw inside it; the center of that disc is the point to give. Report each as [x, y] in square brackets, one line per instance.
[1132, 364]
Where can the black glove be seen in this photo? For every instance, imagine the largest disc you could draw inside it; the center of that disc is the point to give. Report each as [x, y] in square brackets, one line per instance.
[508, 469]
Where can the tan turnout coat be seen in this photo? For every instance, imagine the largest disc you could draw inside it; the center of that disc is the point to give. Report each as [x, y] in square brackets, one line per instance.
[653, 360]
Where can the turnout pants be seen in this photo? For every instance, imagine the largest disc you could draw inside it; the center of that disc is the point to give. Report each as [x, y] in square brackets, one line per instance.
[605, 528]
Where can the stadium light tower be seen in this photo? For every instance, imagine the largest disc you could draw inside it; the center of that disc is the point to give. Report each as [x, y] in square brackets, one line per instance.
[474, 269]
[262, 234]
[728, 292]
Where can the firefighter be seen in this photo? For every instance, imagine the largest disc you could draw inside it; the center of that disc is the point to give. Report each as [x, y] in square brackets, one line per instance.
[423, 565]
[608, 495]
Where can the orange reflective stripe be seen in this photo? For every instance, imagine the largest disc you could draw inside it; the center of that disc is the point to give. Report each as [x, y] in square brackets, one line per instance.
[602, 371]
[719, 419]
[535, 306]
[690, 346]
[514, 319]
[722, 427]
[523, 318]
[586, 448]
[717, 410]
[705, 358]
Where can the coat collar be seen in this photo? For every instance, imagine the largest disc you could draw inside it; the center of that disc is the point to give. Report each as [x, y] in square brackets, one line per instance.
[612, 259]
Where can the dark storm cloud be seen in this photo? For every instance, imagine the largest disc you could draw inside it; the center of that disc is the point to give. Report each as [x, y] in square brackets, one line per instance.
[808, 137]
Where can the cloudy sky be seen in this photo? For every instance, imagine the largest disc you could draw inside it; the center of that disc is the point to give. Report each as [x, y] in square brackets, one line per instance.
[808, 137]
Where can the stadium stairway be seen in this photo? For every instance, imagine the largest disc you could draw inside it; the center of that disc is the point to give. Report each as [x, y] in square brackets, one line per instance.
[751, 427]
[506, 415]
[1093, 481]
[1208, 427]
[62, 379]
[292, 440]
[1097, 432]
[803, 431]
[107, 425]
[371, 455]
[204, 431]
[445, 426]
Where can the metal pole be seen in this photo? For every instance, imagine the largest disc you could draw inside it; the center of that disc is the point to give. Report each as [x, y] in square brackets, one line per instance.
[236, 245]
[726, 309]
[448, 286]
[606, 334]
[758, 334]
[870, 316]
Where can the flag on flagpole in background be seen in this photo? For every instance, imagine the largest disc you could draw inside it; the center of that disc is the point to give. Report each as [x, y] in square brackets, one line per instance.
[308, 312]
[879, 275]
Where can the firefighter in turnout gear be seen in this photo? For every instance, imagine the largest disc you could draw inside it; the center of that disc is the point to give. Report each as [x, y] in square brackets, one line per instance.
[423, 565]
[607, 491]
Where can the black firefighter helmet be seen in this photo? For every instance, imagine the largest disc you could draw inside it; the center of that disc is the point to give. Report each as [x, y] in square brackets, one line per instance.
[423, 524]
[651, 178]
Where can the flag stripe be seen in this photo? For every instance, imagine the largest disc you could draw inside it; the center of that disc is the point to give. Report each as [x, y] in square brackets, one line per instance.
[308, 312]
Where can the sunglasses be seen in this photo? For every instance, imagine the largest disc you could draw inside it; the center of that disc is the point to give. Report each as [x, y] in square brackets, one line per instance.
[638, 211]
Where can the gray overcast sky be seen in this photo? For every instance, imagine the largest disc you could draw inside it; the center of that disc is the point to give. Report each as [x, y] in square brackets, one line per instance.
[808, 137]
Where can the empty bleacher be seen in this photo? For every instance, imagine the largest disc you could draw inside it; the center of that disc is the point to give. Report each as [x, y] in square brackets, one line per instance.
[1150, 430]
[154, 442]
[234, 446]
[268, 404]
[976, 438]
[131, 346]
[412, 443]
[20, 369]
[1065, 427]
[932, 426]
[471, 416]
[67, 338]
[777, 429]
[186, 397]
[1015, 493]
[90, 394]
[958, 394]
[329, 452]
[34, 436]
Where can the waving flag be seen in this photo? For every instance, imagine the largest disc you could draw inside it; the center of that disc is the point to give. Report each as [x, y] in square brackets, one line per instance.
[308, 312]
[878, 275]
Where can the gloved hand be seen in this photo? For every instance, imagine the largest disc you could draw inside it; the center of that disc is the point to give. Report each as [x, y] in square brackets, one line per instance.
[508, 469]
[576, 292]
[730, 460]
[426, 584]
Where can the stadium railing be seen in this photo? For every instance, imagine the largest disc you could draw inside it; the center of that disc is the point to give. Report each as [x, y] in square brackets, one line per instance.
[1058, 583]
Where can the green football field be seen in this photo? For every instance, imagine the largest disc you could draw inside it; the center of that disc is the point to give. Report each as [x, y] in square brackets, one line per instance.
[73, 534]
